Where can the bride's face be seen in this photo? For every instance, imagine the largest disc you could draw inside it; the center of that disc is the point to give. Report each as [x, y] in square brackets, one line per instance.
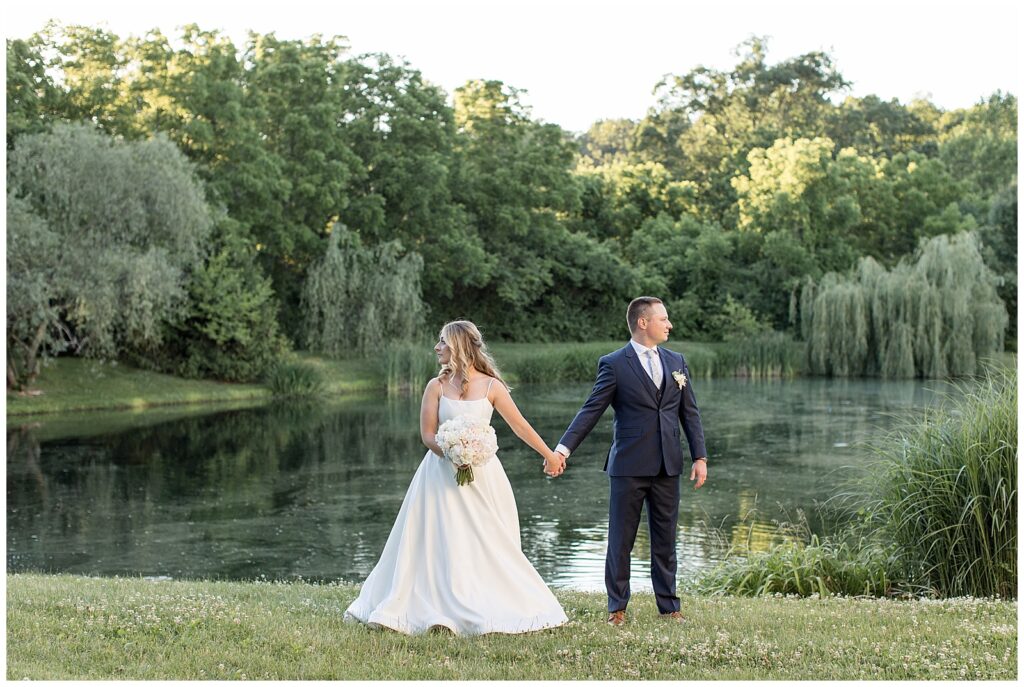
[444, 354]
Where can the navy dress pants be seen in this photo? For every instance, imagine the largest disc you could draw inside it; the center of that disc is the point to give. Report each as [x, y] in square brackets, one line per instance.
[627, 497]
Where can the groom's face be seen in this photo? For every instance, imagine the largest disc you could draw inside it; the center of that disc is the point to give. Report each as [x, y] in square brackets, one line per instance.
[658, 324]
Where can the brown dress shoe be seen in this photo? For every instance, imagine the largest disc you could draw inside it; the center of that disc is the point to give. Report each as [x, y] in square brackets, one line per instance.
[617, 618]
[674, 616]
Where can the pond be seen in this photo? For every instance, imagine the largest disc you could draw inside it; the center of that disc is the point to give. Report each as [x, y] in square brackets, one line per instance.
[297, 489]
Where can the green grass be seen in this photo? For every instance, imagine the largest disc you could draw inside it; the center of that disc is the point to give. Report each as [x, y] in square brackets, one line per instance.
[64, 627]
[346, 376]
[853, 562]
[772, 354]
[69, 384]
[822, 567]
[82, 384]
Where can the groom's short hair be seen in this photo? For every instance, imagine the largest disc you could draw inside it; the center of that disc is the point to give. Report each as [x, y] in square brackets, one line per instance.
[639, 307]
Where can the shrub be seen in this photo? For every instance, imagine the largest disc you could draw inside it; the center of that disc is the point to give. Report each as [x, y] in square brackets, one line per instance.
[230, 329]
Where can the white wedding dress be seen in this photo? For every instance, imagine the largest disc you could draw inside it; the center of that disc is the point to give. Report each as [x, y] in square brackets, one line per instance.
[454, 557]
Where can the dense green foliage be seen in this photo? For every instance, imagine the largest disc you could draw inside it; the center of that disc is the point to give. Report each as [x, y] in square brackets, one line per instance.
[999, 248]
[229, 329]
[737, 186]
[937, 316]
[102, 235]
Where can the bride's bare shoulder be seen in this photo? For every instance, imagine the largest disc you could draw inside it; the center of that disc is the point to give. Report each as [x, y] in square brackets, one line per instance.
[433, 387]
[496, 388]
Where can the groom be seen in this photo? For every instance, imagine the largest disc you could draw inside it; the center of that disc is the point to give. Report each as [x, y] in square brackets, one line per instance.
[651, 392]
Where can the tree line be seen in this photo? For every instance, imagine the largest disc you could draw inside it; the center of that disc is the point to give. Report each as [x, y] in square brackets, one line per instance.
[290, 167]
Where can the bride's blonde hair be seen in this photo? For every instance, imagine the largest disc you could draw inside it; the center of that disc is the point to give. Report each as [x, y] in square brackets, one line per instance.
[468, 350]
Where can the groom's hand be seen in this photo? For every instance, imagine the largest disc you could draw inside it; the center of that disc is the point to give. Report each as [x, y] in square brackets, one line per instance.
[699, 473]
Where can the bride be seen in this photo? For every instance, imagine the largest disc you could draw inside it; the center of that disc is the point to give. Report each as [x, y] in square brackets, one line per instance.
[453, 558]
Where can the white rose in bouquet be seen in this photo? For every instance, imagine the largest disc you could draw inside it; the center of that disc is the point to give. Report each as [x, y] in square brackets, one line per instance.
[466, 442]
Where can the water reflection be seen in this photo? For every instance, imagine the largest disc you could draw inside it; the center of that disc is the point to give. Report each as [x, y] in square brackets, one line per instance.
[311, 489]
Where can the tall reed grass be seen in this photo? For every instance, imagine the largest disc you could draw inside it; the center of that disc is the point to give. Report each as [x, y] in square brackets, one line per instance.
[944, 490]
[408, 366]
[771, 354]
[572, 364]
[295, 378]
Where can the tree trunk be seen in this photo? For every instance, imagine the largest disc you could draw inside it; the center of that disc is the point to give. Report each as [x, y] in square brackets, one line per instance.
[31, 358]
[12, 376]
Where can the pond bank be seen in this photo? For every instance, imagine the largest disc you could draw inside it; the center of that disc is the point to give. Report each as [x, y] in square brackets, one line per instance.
[74, 384]
[66, 627]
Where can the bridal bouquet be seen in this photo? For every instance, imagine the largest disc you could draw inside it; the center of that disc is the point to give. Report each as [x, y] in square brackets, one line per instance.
[466, 442]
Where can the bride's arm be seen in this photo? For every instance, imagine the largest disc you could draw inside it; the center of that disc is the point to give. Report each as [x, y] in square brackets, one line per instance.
[503, 403]
[428, 416]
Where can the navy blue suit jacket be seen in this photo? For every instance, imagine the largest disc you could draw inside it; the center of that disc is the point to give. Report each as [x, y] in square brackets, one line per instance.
[646, 431]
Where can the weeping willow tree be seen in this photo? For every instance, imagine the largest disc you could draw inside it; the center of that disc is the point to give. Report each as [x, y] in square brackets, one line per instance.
[936, 315]
[358, 298]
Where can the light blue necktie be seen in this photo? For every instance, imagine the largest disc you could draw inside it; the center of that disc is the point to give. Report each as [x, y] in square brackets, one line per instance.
[650, 366]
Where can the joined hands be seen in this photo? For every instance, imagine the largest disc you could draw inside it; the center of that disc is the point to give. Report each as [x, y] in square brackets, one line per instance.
[554, 464]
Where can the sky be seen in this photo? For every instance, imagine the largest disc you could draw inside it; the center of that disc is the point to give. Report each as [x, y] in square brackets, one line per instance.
[580, 62]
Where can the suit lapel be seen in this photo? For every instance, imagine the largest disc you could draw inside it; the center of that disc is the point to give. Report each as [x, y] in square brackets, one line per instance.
[638, 368]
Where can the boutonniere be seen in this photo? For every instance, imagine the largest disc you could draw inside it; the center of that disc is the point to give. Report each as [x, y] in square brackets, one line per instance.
[680, 378]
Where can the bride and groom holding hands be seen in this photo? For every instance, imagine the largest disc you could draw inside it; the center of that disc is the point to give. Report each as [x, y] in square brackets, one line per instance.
[454, 559]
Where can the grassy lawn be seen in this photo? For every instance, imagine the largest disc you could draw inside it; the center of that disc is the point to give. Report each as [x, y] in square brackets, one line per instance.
[80, 384]
[63, 627]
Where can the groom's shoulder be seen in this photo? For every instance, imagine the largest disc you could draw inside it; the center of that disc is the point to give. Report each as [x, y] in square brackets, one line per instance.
[616, 354]
[680, 357]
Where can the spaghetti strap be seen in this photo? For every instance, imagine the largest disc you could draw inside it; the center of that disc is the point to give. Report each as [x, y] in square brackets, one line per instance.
[488, 393]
